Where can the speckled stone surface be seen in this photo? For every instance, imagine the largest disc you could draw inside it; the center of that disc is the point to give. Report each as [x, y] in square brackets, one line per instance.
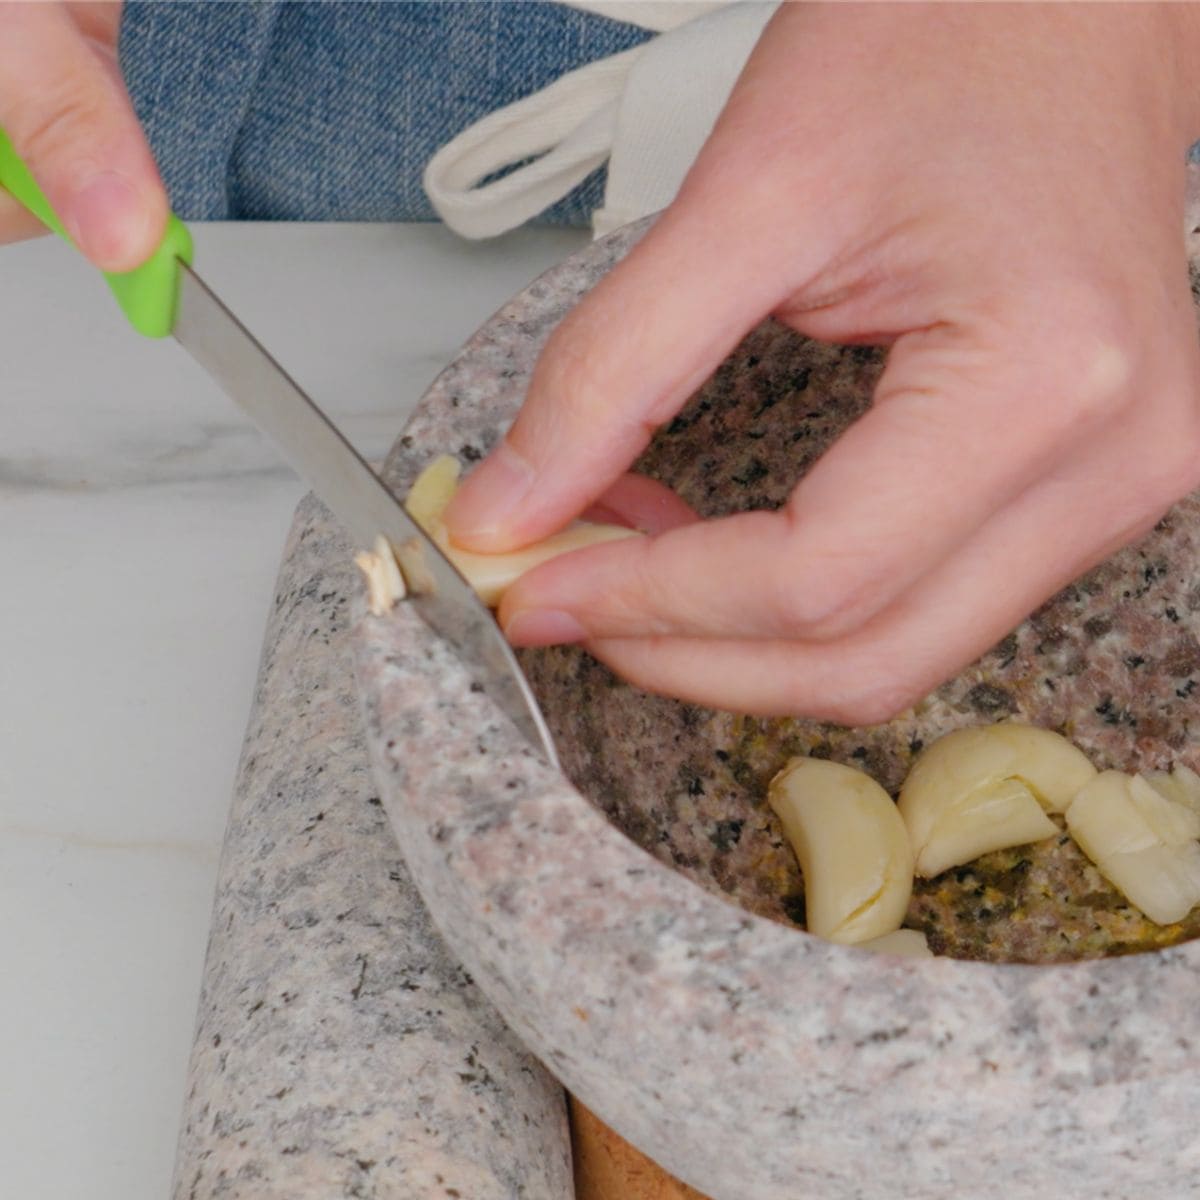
[340, 1051]
[1112, 662]
[755, 1062]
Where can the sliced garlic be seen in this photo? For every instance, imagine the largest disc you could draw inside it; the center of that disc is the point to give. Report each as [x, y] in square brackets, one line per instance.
[1140, 842]
[852, 847]
[385, 584]
[903, 943]
[987, 788]
[492, 574]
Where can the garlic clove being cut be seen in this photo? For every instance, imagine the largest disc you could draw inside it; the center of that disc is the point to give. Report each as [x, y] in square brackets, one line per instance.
[1128, 829]
[987, 788]
[852, 847]
[901, 943]
[491, 575]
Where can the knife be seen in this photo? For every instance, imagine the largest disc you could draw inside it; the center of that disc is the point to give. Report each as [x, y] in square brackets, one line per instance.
[166, 297]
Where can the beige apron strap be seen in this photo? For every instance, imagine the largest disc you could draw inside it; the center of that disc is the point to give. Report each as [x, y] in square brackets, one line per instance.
[569, 125]
[649, 108]
[672, 97]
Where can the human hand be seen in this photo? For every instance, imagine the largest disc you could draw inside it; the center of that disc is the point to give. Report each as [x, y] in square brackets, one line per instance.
[63, 104]
[996, 192]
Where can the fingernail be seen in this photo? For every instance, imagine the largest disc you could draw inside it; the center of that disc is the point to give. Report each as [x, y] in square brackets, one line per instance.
[105, 218]
[543, 627]
[491, 495]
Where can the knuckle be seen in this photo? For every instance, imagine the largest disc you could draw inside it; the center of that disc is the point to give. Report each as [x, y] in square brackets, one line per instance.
[1070, 363]
[1098, 355]
[58, 122]
[831, 594]
[822, 610]
[1103, 388]
[575, 378]
[642, 602]
[566, 373]
[653, 602]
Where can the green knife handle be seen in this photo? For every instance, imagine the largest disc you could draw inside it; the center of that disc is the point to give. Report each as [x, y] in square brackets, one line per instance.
[149, 294]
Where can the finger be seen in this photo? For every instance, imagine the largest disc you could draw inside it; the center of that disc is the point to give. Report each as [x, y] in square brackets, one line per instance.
[72, 123]
[706, 578]
[641, 503]
[16, 221]
[955, 435]
[726, 253]
[1050, 536]
[621, 363]
[98, 20]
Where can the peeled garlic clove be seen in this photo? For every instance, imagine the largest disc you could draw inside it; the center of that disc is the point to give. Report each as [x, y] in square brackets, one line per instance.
[967, 759]
[852, 847]
[1120, 832]
[971, 763]
[1181, 784]
[903, 943]
[1050, 766]
[1166, 785]
[491, 575]
[1188, 783]
[1174, 822]
[992, 817]
[1164, 881]
[1104, 820]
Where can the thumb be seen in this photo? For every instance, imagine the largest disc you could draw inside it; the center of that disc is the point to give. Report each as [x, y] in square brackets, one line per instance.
[621, 363]
[69, 118]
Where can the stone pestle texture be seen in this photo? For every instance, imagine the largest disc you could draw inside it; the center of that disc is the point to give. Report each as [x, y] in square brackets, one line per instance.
[340, 1050]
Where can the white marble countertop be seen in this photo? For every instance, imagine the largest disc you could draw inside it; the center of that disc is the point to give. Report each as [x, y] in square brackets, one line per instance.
[141, 522]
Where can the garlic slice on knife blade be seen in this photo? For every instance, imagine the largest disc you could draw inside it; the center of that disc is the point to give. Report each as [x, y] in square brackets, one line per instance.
[1143, 843]
[492, 574]
[852, 847]
[385, 584]
[987, 788]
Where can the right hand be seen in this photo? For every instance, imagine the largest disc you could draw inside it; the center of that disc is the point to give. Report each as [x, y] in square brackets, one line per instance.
[65, 108]
[910, 176]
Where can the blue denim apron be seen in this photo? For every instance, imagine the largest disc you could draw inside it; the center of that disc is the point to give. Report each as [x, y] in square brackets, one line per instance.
[328, 110]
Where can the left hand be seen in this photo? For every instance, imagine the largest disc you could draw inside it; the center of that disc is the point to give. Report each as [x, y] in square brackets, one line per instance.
[65, 107]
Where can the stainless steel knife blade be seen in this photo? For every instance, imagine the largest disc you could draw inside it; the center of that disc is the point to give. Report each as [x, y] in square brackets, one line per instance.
[314, 446]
